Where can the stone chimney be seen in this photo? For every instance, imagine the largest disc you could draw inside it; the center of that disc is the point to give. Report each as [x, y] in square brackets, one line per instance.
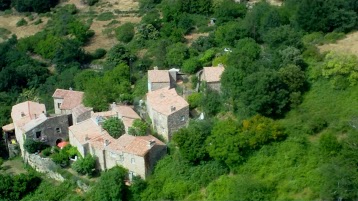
[106, 143]
[70, 88]
[151, 143]
[172, 108]
[86, 138]
[155, 67]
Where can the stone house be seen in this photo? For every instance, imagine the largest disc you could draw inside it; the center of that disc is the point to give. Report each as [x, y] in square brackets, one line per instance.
[81, 113]
[66, 100]
[158, 79]
[136, 153]
[168, 111]
[123, 112]
[211, 76]
[30, 121]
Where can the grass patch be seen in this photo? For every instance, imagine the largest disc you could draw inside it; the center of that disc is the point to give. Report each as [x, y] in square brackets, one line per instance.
[4, 33]
[21, 22]
[106, 16]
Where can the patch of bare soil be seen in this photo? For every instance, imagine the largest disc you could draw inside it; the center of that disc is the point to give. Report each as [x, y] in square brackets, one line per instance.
[347, 45]
[9, 22]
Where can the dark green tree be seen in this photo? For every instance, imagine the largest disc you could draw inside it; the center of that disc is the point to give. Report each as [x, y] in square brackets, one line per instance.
[114, 127]
[191, 141]
[85, 165]
[125, 32]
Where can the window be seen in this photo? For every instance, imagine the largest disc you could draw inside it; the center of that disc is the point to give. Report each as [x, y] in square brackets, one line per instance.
[38, 134]
[58, 105]
[121, 158]
[132, 160]
[58, 130]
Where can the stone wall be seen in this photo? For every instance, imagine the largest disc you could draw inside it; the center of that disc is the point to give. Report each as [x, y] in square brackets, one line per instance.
[158, 85]
[57, 104]
[177, 120]
[43, 165]
[51, 130]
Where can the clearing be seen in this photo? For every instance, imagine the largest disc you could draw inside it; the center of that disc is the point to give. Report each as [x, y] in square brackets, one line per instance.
[347, 45]
[9, 21]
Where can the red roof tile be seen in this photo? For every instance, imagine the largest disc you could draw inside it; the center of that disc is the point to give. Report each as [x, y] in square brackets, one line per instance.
[71, 98]
[166, 101]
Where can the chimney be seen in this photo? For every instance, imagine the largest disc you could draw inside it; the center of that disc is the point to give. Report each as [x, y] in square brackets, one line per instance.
[86, 138]
[162, 96]
[172, 108]
[151, 143]
[113, 105]
[70, 88]
[106, 143]
[155, 67]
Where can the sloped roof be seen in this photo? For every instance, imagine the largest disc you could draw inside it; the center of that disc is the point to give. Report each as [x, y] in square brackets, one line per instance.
[166, 101]
[126, 111]
[28, 109]
[87, 128]
[8, 127]
[80, 109]
[158, 76]
[71, 98]
[212, 74]
[137, 145]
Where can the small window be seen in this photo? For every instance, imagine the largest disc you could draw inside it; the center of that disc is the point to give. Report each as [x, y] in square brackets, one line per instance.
[58, 130]
[58, 105]
[38, 134]
[182, 118]
[22, 114]
[121, 158]
[132, 160]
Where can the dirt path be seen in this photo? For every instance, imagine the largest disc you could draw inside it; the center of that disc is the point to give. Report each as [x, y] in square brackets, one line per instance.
[347, 45]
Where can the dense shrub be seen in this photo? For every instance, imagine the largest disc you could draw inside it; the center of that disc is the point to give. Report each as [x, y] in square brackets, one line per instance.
[33, 146]
[125, 32]
[114, 127]
[85, 165]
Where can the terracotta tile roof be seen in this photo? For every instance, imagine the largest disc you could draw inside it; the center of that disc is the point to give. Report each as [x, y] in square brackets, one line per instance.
[158, 76]
[71, 98]
[8, 127]
[126, 111]
[80, 109]
[212, 74]
[137, 145]
[106, 114]
[28, 109]
[87, 128]
[166, 101]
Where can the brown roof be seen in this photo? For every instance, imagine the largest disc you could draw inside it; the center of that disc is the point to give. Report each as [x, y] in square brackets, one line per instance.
[80, 109]
[87, 128]
[137, 145]
[71, 98]
[212, 74]
[28, 109]
[126, 111]
[158, 76]
[8, 127]
[166, 101]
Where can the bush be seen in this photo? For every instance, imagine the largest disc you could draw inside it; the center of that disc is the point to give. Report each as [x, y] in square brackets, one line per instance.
[191, 65]
[99, 53]
[125, 33]
[139, 128]
[106, 16]
[91, 2]
[21, 22]
[85, 165]
[46, 152]
[194, 100]
[114, 127]
[39, 21]
[33, 146]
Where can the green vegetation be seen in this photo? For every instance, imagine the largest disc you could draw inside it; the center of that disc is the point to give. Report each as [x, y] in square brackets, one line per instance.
[85, 165]
[33, 146]
[114, 127]
[283, 126]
